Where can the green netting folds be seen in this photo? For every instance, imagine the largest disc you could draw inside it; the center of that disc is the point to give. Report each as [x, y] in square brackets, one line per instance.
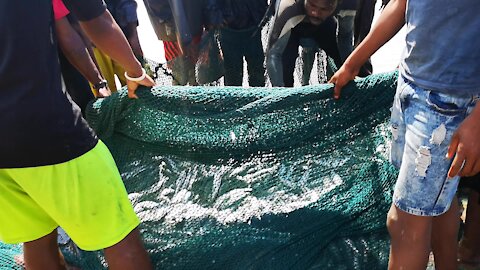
[254, 178]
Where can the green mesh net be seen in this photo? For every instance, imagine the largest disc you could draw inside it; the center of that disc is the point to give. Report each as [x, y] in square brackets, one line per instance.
[253, 178]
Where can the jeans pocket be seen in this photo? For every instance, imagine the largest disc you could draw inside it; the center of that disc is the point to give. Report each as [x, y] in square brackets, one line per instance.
[446, 104]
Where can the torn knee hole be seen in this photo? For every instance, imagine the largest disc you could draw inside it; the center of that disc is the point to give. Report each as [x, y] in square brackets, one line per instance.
[438, 135]
[394, 129]
[423, 160]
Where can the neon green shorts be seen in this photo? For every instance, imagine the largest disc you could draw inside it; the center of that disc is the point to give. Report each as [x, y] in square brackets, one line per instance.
[85, 196]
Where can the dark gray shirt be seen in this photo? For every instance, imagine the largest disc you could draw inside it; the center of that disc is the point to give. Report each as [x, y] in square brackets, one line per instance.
[39, 125]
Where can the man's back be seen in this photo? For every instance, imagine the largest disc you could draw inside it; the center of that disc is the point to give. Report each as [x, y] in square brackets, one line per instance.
[39, 125]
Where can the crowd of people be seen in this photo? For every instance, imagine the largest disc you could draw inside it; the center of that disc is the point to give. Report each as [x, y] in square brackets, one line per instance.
[79, 47]
[227, 29]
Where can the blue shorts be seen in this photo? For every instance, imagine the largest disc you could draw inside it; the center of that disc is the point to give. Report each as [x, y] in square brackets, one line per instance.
[423, 123]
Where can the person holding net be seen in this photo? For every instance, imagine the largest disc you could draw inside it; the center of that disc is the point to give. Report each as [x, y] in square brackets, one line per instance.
[295, 21]
[435, 122]
[51, 162]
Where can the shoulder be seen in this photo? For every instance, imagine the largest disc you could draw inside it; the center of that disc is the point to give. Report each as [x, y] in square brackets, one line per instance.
[289, 14]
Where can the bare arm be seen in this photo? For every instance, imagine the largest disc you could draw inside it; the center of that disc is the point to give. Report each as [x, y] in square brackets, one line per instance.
[108, 37]
[134, 41]
[390, 22]
[75, 49]
[85, 39]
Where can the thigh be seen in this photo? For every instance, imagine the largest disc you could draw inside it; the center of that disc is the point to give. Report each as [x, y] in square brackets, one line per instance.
[232, 49]
[255, 57]
[429, 121]
[253, 47]
[289, 58]
[22, 219]
[85, 196]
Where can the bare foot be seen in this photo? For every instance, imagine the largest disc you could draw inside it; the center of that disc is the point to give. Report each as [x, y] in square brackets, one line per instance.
[19, 260]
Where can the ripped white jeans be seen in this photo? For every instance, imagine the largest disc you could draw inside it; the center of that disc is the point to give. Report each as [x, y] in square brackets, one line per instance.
[423, 123]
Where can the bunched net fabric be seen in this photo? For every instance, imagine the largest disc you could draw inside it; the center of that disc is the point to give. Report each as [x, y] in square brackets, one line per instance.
[252, 178]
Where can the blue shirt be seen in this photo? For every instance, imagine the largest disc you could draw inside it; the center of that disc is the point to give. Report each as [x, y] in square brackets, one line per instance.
[124, 12]
[443, 45]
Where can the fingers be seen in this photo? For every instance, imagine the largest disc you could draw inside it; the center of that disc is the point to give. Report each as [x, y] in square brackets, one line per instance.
[131, 93]
[337, 88]
[470, 168]
[457, 165]
[133, 86]
[148, 81]
[336, 91]
[458, 160]
[452, 148]
[104, 92]
[464, 164]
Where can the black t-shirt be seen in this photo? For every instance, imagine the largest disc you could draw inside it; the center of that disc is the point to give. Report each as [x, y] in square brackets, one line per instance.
[39, 125]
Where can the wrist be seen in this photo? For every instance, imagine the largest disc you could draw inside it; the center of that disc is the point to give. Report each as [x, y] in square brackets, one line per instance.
[476, 110]
[136, 77]
[101, 84]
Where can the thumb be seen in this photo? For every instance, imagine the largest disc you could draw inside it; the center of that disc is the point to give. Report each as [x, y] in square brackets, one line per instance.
[336, 91]
[336, 88]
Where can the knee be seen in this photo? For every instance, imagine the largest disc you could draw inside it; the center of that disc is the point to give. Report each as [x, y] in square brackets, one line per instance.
[408, 228]
[396, 224]
[393, 224]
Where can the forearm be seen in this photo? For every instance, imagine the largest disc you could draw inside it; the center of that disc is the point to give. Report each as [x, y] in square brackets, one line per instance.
[86, 40]
[389, 23]
[274, 61]
[133, 40]
[108, 37]
[75, 50]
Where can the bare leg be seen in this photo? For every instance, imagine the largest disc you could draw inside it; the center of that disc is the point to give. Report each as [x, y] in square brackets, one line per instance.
[410, 240]
[444, 237]
[469, 251]
[128, 254]
[43, 253]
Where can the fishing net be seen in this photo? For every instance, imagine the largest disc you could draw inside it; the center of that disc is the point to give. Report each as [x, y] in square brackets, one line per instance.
[254, 178]
[251, 178]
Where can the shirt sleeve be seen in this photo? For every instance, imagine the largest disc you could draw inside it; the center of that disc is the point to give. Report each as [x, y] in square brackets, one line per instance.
[126, 12]
[59, 9]
[86, 10]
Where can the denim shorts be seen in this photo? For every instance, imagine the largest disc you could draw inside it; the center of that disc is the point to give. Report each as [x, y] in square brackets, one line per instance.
[423, 123]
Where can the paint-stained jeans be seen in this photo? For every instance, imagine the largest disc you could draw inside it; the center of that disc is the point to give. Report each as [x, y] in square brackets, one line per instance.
[423, 123]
